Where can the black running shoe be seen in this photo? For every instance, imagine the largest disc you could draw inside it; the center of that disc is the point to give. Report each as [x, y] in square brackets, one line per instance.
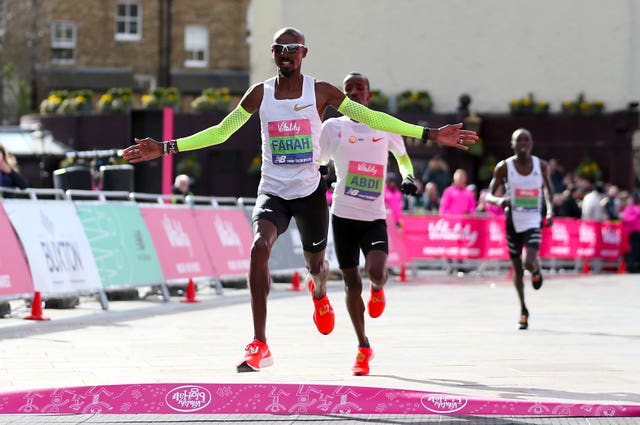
[536, 280]
[524, 319]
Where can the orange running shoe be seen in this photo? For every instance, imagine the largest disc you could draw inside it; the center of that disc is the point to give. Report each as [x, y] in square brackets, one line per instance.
[376, 302]
[323, 315]
[257, 355]
[361, 366]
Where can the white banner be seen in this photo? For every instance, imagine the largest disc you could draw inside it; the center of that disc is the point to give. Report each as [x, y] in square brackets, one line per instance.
[56, 246]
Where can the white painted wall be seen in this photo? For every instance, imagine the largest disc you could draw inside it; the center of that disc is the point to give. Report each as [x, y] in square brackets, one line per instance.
[495, 50]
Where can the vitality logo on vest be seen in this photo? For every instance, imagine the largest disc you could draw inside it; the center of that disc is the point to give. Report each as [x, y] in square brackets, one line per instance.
[290, 141]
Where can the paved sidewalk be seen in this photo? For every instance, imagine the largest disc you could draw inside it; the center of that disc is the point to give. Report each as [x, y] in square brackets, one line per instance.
[439, 334]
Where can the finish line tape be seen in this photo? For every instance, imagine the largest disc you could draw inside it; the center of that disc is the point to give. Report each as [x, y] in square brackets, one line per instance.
[282, 399]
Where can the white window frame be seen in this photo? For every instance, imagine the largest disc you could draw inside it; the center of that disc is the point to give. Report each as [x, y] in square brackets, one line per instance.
[70, 43]
[127, 20]
[196, 39]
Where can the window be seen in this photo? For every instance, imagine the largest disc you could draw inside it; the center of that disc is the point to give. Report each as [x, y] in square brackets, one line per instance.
[196, 46]
[63, 42]
[128, 20]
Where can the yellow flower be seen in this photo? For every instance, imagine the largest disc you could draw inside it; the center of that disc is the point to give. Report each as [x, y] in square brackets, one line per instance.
[106, 97]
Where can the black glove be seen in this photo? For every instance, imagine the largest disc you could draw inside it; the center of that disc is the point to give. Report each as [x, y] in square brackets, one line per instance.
[324, 170]
[408, 187]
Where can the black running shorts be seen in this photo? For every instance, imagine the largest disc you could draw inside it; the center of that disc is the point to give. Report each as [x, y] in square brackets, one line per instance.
[516, 241]
[351, 236]
[311, 214]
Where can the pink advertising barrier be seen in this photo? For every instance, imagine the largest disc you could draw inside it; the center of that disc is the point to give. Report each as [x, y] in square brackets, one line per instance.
[397, 250]
[227, 238]
[468, 237]
[455, 237]
[283, 399]
[178, 242]
[574, 238]
[15, 276]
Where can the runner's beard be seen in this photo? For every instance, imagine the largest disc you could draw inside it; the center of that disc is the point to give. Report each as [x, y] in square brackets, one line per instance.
[287, 72]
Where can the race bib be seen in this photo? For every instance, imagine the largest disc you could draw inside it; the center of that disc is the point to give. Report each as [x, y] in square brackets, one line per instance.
[290, 142]
[364, 180]
[526, 199]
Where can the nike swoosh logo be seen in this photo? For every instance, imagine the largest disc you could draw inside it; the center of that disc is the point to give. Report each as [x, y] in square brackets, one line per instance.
[376, 243]
[300, 108]
[317, 243]
[377, 139]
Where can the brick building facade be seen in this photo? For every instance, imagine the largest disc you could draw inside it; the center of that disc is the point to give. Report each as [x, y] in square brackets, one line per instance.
[138, 44]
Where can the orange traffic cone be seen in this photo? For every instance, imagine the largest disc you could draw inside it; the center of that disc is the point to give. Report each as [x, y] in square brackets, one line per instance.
[622, 268]
[510, 274]
[295, 281]
[403, 274]
[190, 293]
[36, 308]
[586, 268]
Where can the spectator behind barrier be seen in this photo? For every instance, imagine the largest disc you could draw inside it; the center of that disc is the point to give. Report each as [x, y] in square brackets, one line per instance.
[181, 186]
[9, 176]
[393, 198]
[457, 199]
[592, 203]
[557, 175]
[631, 226]
[431, 198]
[565, 204]
[610, 203]
[489, 209]
[437, 172]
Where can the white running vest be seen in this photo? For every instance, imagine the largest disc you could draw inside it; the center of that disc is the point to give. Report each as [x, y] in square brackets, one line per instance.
[525, 193]
[290, 130]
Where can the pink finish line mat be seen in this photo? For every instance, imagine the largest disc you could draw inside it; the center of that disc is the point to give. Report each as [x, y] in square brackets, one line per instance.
[282, 399]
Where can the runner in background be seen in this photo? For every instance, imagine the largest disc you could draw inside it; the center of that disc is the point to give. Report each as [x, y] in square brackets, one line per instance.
[526, 181]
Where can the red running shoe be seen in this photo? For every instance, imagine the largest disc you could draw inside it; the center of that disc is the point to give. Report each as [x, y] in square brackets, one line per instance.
[361, 366]
[376, 302]
[323, 315]
[257, 355]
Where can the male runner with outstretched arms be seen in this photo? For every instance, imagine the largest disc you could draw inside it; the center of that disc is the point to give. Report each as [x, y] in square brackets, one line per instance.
[290, 106]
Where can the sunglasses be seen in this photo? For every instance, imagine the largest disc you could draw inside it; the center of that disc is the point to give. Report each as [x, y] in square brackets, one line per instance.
[286, 48]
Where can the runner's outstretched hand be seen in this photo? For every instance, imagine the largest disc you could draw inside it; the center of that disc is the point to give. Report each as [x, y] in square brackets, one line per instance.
[144, 150]
[453, 135]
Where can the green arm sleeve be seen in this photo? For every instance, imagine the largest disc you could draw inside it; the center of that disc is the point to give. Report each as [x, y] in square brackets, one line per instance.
[405, 165]
[378, 120]
[216, 134]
